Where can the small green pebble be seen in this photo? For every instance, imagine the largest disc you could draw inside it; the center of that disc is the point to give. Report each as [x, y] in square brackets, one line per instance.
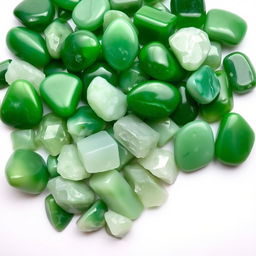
[52, 163]
[23, 139]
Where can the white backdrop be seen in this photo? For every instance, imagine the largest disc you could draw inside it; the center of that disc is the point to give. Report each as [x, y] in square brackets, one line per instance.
[209, 213]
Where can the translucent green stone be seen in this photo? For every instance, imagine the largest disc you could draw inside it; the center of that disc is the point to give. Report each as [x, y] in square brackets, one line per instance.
[214, 56]
[23, 139]
[128, 6]
[112, 15]
[52, 163]
[3, 69]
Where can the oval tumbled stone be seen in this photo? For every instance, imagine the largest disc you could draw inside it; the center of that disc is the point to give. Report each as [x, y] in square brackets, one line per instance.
[194, 146]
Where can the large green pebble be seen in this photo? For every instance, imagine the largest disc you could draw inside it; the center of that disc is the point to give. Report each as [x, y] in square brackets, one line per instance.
[66, 4]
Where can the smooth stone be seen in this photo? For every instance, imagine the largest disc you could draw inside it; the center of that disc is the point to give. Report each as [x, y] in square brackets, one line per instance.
[145, 185]
[127, 6]
[214, 56]
[64, 14]
[23, 139]
[191, 47]
[62, 93]
[194, 146]
[27, 172]
[135, 135]
[99, 152]
[21, 107]
[55, 66]
[112, 15]
[114, 190]
[234, 141]
[52, 163]
[120, 44]
[108, 102]
[159, 6]
[4, 65]
[73, 196]
[28, 45]
[58, 218]
[93, 219]
[203, 85]
[66, 4]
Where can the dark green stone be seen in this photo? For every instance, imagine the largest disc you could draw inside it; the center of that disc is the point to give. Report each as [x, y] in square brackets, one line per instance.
[3, 69]
[66, 4]
[52, 163]
[54, 67]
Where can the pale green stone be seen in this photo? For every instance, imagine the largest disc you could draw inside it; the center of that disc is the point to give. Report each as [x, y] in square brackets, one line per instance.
[23, 139]
[161, 163]
[99, 152]
[72, 196]
[117, 224]
[150, 191]
[166, 129]
[112, 15]
[191, 47]
[69, 165]
[214, 56]
[107, 101]
[135, 135]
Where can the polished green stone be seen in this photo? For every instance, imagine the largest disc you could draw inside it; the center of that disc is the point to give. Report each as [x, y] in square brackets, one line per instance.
[159, 6]
[3, 69]
[21, 107]
[234, 141]
[81, 49]
[35, 14]
[222, 105]
[93, 219]
[24, 139]
[112, 15]
[154, 24]
[27, 172]
[203, 85]
[120, 44]
[190, 13]
[127, 6]
[225, 27]
[165, 98]
[58, 218]
[62, 93]
[214, 56]
[240, 72]
[66, 4]
[113, 189]
[28, 45]
[52, 163]
[194, 146]
[64, 14]
[54, 67]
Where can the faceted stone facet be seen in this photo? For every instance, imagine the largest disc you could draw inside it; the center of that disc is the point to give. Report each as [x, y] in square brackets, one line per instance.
[23, 139]
[214, 56]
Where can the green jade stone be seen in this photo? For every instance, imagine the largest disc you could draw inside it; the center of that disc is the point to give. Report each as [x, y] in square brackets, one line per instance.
[35, 14]
[64, 14]
[62, 93]
[3, 69]
[203, 85]
[58, 218]
[225, 27]
[21, 107]
[159, 6]
[93, 219]
[214, 56]
[52, 163]
[194, 146]
[23, 139]
[234, 141]
[27, 172]
[240, 72]
[127, 6]
[28, 45]
[114, 190]
[53, 67]
[222, 105]
[112, 15]
[66, 4]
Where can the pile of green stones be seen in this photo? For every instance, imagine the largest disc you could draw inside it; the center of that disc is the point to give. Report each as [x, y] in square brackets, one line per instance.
[141, 74]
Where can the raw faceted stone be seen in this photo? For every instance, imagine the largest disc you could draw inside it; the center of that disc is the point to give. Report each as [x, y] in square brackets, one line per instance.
[55, 66]
[214, 56]
[203, 85]
[93, 219]
[128, 6]
[108, 102]
[99, 152]
[66, 4]
[69, 165]
[117, 225]
[52, 163]
[191, 47]
[73, 196]
[114, 190]
[23, 139]
[194, 146]
[3, 69]
[161, 163]
[21, 70]
[52, 134]
[145, 185]
[112, 15]
[234, 141]
[135, 135]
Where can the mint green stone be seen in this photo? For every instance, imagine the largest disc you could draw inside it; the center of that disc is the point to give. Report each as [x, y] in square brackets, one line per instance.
[214, 56]
[112, 15]
[52, 163]
[23, 139]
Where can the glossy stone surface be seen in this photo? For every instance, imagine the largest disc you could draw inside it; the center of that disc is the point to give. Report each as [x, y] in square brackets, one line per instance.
[225, 27]
[3, 69]
[234, 141]
[120, 44]
[73, 196]
[35, 14]
[112, 15]
[191, 47]
[214, 56]
[58, 218]
[93, 219]
[108, 102]
[53, 67]
[222, 105]
[145, 185]
[203, 85]
[113, 189]
[99, 152]
[159, 6]
[135, 135]
[28, 45]
[127, 6]
[165, 98]
[194, 146]
[66, 4]
[52, 163]
[23, 139]
[27, 172]
[21, 107]
[240, 72]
